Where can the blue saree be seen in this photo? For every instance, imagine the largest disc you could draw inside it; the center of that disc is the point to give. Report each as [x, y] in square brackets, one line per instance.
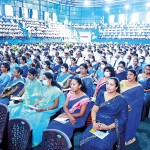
[68, 127]
[135, 98]
[112, 111]
[12, 85]
[122, 75]
[40, 120]
[146, 85]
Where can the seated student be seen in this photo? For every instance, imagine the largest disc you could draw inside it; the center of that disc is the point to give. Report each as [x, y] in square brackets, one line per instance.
[64, 77]
[29, 95]
[73, 67]
[14, 64]
[86, 78]
[5, 76]
[109, 114]
[144, 80]
[46, 68]
[24, 66]
[101, 86]
[14, 87]
[76, 109]
[51, 101]
[100, 71]
[121, 73]
[134, 94]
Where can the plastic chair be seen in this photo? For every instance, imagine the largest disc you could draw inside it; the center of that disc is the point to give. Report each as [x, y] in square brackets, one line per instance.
[4, 115]
[19, 134]
[54, 139]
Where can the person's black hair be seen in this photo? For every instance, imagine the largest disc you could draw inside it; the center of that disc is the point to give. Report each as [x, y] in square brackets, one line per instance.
[28, 54]
[73, 59]
[66, 66]
[47, 62]
[104, 62]
[7, 56]
[6, 65]
[15, 58]
[80, 82]
[89, 63]
[148, 65]
[60, 59]
[33, 71]
[134, 72]
[54, 82]
[84, 66]
[111, 69]
[117, 82]
[123, 63]
[50, 58]
[37, 63]
[24, 59]
[38, 57]
[19, 70]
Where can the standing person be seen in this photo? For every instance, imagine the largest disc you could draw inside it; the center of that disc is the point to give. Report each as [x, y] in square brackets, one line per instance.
[134, 94]
[109, 114]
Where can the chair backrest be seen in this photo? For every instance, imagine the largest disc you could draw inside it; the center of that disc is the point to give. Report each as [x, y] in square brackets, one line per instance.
[4, 114]
[19, 134]
[54, 139]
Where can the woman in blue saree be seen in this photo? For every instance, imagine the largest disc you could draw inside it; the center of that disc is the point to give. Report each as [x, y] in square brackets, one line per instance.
[51, 101]
[76, 109]
[5, 76]
[109, 115]
[14, 87]
[14, 64]
[64, 77]
[144, 80]
[86, 78]
[134, 94]
[24, 66]
[29, 95]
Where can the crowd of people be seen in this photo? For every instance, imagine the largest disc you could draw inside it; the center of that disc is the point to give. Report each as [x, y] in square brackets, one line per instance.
[110, 81]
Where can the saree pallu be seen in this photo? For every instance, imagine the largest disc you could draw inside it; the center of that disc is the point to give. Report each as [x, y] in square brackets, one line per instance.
[114, 111]
[12, 85]
[74, 107]
[135, 98]
[146, 85]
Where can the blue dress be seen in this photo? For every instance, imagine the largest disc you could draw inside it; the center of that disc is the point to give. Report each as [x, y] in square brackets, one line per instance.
[135, 98]
[146, 85]
[112, 111]
[68, 127]
[12, 67]
[39, 120]
[4, 80]
[122, 75]
[32, 94]
[73, 68]
[13, 84]
[25, 70]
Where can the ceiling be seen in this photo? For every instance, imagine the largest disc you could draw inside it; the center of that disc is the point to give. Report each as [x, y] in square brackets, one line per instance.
[95, 3]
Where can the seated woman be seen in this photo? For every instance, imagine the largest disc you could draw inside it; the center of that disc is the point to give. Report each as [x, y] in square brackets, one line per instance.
[14, 87]
[109, 115]
[121, 73]
[37, 66]
[64, 77]
[57, 66]
[134, 94]
[14, 64]
[73, 67]
[46, 68]
[5, 76]
[24, 66]
[76, 109]
[144, 80]
[29, 95]
[100, 71]
[86, 78]
[101, 86]
[90, 69]
[51, 101]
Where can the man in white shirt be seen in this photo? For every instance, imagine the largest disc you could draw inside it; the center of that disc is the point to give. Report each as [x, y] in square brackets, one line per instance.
[79, 58]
